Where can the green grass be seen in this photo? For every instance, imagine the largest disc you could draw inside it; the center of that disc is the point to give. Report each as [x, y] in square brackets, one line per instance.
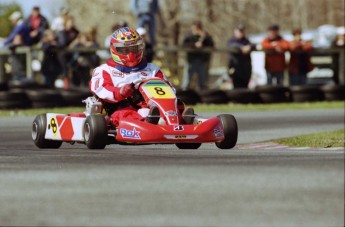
[266, 107]
[198, 108]
[323, 139]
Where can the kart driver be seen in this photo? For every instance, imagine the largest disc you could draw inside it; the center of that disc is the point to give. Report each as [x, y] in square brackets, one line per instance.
[112, 82]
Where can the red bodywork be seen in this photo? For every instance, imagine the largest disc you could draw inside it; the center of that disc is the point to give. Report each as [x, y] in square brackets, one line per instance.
[143, 132]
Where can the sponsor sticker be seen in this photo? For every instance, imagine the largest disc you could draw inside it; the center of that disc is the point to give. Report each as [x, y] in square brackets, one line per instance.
[132, 134]
[180, 137]
[170, 113]
[117, 73]
[218, 133]
[178, 128]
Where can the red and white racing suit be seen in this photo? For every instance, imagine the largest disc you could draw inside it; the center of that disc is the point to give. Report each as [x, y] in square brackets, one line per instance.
[107, 80]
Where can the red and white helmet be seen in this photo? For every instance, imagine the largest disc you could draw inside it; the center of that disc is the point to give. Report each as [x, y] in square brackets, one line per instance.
[126, 47]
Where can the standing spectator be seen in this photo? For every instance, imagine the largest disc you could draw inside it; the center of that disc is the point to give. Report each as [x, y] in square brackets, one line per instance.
[300, 63]
[83, 62]
[120, 24]
[197, 61]
[58, 22]
[20, 28]
[65, 38]
[240, 63]
[51, 66]
[17, 61]
[68, 34]
[145, 11]
[37, 24]
[275, 46]
[148, 52]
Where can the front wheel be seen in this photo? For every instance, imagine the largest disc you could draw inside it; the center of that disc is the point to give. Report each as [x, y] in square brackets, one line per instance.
[38, 131]
[230, 130]
[95, 132]
[188, 145]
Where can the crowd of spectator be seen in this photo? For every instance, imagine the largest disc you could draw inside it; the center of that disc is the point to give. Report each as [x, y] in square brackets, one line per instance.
[75, 66]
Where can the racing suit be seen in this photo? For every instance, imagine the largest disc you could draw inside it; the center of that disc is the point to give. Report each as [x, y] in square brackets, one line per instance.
[107, 80]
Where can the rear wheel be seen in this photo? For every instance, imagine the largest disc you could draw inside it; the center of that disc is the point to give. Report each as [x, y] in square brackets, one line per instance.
[38, 132]
[95, 132]
[188, 145]
[230, 129]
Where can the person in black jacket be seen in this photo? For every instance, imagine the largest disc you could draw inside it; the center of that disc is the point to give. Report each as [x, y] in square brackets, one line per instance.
[197, 61]
[240, 63]
[37, 24]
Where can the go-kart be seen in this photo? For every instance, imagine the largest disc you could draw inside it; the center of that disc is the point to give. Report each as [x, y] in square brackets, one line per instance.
[95, 129]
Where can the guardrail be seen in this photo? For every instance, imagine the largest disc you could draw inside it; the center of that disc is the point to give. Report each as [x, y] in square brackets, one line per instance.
[173, 57]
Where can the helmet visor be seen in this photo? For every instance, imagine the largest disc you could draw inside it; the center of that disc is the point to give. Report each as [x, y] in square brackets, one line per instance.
[130, 49]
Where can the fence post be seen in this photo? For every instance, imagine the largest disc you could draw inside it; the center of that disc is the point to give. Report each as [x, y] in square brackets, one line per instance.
[28, 56]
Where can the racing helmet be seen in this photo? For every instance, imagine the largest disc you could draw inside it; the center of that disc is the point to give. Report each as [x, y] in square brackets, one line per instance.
[126, 47]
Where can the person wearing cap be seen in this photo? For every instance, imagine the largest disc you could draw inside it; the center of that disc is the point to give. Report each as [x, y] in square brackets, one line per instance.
[148, 51]
[38, 24]
[20, 28]
[240, 63]
[300, 63]
[275, 46]
[197, 60]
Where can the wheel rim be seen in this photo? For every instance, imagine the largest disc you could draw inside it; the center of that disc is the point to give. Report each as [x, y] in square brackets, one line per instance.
[87, 132]
[34, 132]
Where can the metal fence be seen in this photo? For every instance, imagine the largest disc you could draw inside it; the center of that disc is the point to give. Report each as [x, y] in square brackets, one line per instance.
[173, 58]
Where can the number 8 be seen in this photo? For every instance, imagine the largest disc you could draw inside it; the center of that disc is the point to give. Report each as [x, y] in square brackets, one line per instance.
[159, 91]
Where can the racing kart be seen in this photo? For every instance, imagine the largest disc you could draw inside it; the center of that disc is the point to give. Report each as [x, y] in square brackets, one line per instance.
[95, 129]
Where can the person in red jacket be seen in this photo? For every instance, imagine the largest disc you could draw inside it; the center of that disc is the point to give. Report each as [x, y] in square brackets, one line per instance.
[300, 63]
[275, 46]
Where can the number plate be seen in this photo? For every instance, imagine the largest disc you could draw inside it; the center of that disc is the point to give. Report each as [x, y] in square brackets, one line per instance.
[158, 90]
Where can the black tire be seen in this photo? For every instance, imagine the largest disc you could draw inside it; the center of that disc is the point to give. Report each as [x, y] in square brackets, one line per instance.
[38, 132]
[25, 83]
[333, 92]
[214, 97]
[230, 131]
[243, 96]
[13, 100]
[74, 97]
[192, 146]
[95, 132]
[189, 97]
[3, 86]
[274, 94]
[45, 98]
[306, 93]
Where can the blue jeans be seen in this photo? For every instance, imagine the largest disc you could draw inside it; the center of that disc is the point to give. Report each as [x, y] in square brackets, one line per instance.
[149, 20]
[298, 79]
[195, 66]
[279, 77]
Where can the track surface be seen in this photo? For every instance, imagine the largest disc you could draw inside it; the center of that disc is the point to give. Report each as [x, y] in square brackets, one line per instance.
[158, 185]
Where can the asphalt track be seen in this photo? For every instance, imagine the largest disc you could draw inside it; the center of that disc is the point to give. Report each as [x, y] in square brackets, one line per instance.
[157, 185]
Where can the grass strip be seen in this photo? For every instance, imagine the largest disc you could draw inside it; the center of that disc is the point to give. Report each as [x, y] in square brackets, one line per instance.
[323, 139]
[199, 108]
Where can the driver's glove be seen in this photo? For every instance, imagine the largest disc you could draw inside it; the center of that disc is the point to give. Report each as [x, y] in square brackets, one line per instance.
[127, 90]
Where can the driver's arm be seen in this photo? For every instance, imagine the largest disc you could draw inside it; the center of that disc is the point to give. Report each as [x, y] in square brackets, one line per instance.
[102, 86]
